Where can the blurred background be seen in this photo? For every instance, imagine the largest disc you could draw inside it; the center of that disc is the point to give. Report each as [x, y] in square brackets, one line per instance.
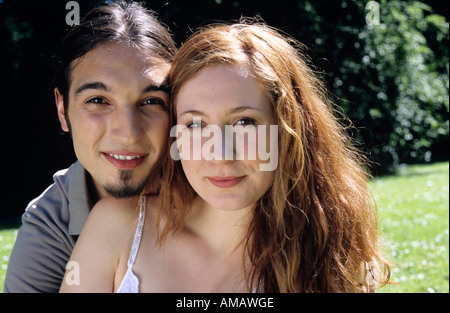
[385, 63]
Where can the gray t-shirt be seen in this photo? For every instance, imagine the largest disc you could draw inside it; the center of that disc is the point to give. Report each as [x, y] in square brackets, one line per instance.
[50, 227]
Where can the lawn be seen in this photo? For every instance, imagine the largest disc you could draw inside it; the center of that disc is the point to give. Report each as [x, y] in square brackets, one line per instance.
[7, 238]
[413, 211]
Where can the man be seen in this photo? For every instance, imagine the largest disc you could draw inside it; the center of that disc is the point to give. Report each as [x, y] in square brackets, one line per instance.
[111, 95]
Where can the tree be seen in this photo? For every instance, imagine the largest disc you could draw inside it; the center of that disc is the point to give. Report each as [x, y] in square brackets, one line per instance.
[407, 77]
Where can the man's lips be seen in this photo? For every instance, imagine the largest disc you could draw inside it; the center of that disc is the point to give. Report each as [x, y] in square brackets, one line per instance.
[124, 160]
[225, 181]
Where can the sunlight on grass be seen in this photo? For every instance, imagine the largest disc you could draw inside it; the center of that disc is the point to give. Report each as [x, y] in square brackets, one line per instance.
[7, 238]
[413, 211]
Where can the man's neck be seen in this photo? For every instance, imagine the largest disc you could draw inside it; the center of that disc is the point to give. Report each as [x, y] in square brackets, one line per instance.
[95, 192]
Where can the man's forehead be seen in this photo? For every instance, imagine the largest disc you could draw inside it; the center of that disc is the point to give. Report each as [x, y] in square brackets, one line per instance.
[158, 73]
[109, 58]
[125, 51]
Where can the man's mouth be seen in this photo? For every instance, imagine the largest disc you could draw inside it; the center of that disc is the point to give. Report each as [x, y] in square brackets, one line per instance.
[125, 157]
[125, 161]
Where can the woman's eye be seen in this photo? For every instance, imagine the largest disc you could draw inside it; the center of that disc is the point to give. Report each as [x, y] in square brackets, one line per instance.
[245, 121]
[194, 125]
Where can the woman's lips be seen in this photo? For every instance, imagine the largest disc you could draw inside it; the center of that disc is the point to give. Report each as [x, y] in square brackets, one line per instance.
[124, 160]
[225, 182]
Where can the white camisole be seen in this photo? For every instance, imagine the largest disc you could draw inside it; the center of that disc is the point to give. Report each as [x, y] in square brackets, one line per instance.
[130, 283]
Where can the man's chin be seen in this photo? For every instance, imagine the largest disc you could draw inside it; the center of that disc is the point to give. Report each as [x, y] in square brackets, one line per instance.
[125, 187]
[121, 191]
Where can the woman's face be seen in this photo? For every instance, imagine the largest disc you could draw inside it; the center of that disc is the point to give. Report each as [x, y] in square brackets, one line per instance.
[225, 119]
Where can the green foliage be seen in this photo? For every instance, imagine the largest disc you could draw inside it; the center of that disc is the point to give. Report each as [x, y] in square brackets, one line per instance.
[410, 79]
[391, 79]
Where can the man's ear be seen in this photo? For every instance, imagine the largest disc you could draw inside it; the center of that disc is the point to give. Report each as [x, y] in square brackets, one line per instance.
[59, 100]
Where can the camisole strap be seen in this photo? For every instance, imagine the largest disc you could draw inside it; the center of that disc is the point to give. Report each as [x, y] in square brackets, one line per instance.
[138, 233]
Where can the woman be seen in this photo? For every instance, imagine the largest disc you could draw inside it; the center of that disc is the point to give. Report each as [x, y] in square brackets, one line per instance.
[224, 225]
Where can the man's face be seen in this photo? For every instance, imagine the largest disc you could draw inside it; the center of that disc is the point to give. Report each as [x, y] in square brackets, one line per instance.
[118, 116]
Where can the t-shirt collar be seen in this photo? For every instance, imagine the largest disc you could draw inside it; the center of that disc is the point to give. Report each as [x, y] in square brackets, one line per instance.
[80, 204]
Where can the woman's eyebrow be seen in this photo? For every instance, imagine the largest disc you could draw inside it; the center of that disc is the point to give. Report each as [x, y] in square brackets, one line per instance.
[193, 112]
[243, 108]
[236, 110]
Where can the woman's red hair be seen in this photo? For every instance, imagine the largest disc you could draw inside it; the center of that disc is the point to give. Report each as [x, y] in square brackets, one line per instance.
[315, 230]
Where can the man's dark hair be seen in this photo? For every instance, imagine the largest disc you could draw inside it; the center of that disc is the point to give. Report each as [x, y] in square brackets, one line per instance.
[128, 23]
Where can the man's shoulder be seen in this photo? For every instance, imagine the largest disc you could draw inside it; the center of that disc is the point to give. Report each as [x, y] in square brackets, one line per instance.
[63, 177]
[44, 241]
[54, 199]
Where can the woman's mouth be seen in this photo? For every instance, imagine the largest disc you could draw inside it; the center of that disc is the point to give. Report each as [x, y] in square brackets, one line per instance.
[225, 181]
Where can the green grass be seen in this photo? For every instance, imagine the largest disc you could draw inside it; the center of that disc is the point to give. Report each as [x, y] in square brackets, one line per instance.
[7, 238]
[413, 211]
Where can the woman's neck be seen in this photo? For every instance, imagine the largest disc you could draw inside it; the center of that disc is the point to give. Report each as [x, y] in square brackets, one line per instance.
[222, 230]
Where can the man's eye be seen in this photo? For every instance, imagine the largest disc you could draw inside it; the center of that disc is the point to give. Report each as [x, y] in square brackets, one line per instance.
[154, 101]
[97, 100]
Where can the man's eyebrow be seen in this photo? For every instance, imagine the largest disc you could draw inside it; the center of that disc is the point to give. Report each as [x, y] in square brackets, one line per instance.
[92, 85]
[151, 88]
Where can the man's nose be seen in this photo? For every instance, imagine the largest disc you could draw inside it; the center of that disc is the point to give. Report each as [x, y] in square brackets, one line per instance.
[127, 126]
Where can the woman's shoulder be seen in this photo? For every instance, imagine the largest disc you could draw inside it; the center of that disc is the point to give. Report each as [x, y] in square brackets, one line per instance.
[113, 212]
[104, 243]
[114, 216]
[114, 208]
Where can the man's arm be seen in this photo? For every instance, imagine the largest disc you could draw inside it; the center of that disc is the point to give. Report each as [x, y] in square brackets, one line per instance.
[41, 251]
